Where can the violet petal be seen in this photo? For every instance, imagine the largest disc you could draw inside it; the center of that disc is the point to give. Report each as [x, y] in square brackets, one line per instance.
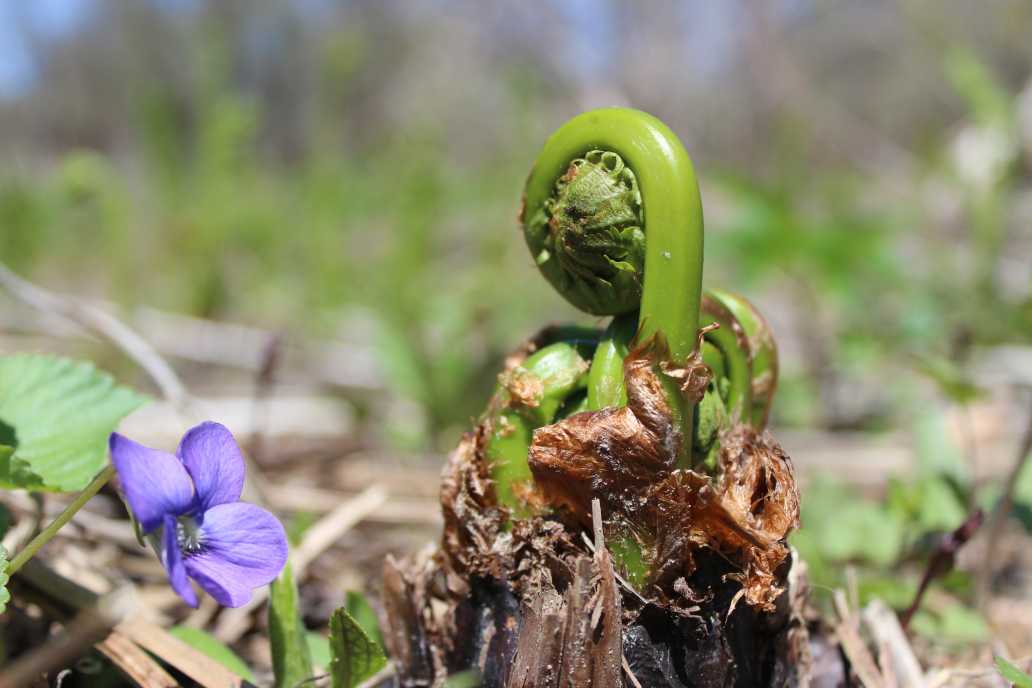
[243, 547]
[172, 558]
[154, 482]
[215, 463]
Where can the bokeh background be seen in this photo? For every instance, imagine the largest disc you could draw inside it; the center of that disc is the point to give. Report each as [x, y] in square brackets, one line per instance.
[318, 199]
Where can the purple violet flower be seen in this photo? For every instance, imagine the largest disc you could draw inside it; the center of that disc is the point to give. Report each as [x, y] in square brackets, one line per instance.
[189, 507]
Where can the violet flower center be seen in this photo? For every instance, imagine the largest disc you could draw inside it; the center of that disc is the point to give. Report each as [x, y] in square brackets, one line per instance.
[188, 535]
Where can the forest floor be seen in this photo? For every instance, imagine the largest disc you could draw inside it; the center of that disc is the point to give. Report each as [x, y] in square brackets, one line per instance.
[348, 502]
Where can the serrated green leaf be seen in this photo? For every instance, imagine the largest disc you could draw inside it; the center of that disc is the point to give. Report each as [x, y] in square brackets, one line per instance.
[1013, 674]
[356, 656]
[361, 611]
[291, 660]
[14, 473]
[62, 412]
[211, 646]
[5, 595]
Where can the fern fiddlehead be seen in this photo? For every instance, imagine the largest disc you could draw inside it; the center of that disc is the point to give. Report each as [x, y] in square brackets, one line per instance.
[613, 219]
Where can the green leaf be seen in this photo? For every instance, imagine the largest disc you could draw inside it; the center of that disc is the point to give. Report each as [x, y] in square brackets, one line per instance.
[896, 591]
[209, 645]
[291, 660]
[986, 98]
[5, 520]
[356, 656]
[847, 527]
[5, 595]
[62, 412]
[360, 610]
[1013, 674]
[937, 452]
[8, 437]
[940, 507]
[298, 525]
[318, 649]
[951, 379]
[953, 624]
[962, 624]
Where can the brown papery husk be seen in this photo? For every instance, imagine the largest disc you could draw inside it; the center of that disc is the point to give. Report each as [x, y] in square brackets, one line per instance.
[535, 603]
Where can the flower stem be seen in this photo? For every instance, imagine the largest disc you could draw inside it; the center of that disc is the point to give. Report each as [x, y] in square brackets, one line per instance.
[64, 517]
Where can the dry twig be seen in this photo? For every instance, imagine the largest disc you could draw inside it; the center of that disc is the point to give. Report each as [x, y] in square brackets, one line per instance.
[89, 626]
[134, 662]
[848, 632]
[198, 666]
[103, 323]
[130, 625]
[885, 628]
[405, 510]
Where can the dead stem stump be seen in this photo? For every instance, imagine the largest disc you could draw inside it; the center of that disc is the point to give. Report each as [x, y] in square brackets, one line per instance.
[535, 607]
[533, 602]
[580, 635]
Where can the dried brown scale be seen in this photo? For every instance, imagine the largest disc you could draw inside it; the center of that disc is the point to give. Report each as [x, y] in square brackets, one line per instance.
[745, 517]
[472, 520]
[692, 376]
[542, 552]
[758, 478]
[614, 454]
[742, 506]
[520, 355]
[721, 313]
[624, 457]
[523, 387]
[474, 524]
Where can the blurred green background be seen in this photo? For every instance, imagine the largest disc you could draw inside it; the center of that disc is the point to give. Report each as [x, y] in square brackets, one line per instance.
[351, 171]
